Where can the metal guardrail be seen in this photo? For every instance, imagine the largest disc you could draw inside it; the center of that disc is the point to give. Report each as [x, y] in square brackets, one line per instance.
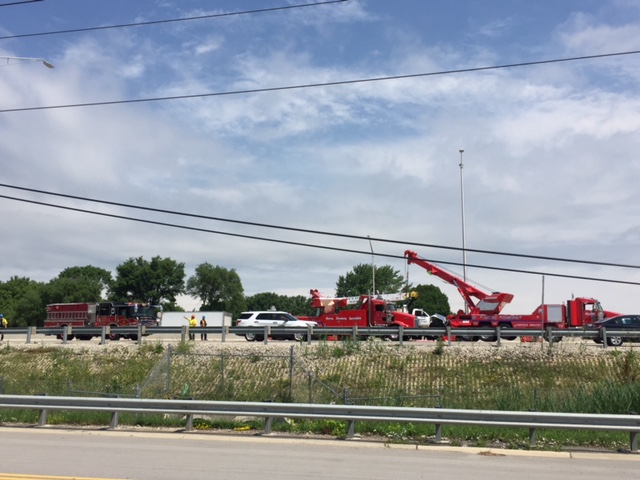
[349, 413]
[446, 333]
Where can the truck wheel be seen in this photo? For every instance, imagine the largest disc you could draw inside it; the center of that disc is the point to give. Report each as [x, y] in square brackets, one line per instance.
[114, 337]
[487, 338]
[504, 333]
[614, 341]
[466, 338]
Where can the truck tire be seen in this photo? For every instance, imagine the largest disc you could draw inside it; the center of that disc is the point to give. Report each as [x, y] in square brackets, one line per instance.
[488, 338]
[250, 337]
[114, 337]
[504, 333]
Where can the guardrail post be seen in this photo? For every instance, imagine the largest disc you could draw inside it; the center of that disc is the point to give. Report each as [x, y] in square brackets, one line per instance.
[438, 432]
[225, 330]
[103, 335]
[634, 442]
[351, 431]
[604, 337]
[267, 332]
[449, 335]
[183, 333]
[189, 425]
[42, 417]
[498, 339]
[309, 333]
[30, 331]
[141, 331]
[400, 335]
[114, 420]
[66, 330]
[268, 425]
[532, 436]
[354, 333]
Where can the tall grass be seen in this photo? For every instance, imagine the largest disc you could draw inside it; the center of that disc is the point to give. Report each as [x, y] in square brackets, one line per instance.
[352, 372]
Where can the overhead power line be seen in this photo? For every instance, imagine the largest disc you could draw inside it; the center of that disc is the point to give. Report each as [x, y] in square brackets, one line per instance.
[316, 85]
[19, 3]
[315, 232]
[310, 245]
[158, 22]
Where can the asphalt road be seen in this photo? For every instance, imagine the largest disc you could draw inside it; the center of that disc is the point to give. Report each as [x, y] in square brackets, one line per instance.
[44, 453]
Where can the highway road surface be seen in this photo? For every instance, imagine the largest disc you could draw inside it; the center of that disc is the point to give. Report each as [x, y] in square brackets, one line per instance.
[46, 453]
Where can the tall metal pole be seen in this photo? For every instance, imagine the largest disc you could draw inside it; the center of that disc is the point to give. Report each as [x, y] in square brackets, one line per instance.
[464, 252]
[373, 267]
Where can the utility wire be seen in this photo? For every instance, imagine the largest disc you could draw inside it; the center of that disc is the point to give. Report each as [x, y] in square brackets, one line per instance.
[158, 22]
[316, 232]
[19, 3]
[316, 85]
[310, 245]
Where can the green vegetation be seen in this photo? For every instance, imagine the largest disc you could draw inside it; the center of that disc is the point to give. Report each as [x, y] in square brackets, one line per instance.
[372, 372]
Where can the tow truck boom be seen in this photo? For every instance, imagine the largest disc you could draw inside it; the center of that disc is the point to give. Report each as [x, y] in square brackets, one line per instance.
[484, 303]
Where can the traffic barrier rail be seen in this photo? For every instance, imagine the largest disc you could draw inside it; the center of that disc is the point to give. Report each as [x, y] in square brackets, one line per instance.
[532, 421]
[497, 334]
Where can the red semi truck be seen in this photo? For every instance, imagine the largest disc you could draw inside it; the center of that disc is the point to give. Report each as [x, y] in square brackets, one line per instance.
[104, 314]
[484, 309]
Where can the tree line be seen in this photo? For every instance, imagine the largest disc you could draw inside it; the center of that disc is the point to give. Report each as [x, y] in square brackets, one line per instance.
[160, 281]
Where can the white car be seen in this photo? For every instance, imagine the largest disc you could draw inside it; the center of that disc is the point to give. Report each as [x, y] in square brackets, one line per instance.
[274, 319]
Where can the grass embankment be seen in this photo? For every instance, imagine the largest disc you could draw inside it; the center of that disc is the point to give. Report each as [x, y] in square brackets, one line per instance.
[576, 379]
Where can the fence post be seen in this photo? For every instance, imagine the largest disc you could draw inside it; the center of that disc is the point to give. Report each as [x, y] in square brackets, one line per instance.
[309, 333]
[400, 335]
[310, 388]
[168, 387]
[291, 359]
[222, 373]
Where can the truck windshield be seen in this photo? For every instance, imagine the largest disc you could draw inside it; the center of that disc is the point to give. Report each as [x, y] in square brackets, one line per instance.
[137, 311]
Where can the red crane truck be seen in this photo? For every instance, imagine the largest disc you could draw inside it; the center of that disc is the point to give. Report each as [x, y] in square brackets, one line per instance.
[104, 314]
[377, 312]
[484, 309]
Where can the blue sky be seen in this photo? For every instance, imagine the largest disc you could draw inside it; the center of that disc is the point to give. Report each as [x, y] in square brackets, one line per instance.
[550, 151]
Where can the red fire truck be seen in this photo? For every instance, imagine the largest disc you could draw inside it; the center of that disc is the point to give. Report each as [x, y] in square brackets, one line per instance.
[104, 314]
[484, 309]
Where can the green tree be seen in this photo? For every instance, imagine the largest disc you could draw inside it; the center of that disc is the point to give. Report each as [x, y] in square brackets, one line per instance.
[157, 282]
[431, 299]
[359, 281]
[21, 301]
[78, 284]
[217, 288]
[296, 305]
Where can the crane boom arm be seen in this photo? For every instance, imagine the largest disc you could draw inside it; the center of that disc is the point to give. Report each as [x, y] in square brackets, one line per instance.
[477, 300]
